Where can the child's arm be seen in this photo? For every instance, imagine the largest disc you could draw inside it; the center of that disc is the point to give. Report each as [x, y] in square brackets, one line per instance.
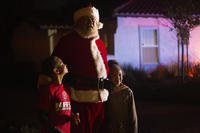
[133, 113]
[46, 122]
[44, 103]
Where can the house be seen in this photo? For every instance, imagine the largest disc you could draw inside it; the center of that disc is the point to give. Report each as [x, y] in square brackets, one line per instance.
[138, 35]
[143, 38]
[35, 38]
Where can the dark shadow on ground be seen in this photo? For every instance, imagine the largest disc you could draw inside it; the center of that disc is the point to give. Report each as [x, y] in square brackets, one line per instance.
[162, 107]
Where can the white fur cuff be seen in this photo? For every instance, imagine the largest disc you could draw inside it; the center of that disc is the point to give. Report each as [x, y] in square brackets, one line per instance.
[92, 96]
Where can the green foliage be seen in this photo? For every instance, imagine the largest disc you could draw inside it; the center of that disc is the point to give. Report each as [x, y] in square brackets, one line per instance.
[133, 75]
[20, 127]
[161, 72]
[184, 16]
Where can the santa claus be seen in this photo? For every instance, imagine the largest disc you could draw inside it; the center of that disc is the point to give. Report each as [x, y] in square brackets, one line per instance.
[86, 56]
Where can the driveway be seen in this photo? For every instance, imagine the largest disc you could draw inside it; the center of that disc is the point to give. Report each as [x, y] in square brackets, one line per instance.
[163, 117]
[154, 117]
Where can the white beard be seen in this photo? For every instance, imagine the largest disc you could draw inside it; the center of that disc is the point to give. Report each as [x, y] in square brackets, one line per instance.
[87, 33]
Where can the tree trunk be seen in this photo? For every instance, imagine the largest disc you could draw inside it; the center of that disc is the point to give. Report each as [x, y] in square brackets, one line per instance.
[182, 62]
[178, 65]
[187, 67]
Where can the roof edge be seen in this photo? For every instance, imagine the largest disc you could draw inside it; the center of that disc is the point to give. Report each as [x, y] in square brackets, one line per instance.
[122, 6]
[139, 15]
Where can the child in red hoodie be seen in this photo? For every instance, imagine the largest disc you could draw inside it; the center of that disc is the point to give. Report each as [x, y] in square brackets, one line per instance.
[54, 99]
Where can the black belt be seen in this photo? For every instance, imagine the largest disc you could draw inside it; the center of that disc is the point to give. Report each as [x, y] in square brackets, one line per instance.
[90, 83]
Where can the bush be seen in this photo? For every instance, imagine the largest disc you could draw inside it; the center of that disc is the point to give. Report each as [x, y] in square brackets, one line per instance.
[133, 75]
[20, 127]
[161, 72]
[194, 71]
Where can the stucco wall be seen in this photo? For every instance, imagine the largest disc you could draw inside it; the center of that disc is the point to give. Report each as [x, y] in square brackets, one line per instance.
[194, 45]
[168, 46]
[127, 48]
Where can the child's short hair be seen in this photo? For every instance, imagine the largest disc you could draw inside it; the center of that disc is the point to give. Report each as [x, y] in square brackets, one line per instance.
[114, 63]
[49, 64]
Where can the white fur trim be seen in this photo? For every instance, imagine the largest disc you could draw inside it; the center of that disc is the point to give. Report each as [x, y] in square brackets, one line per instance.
[87, 11]
[100, 66]
[100, 25]
[92, 96]
[103, 94]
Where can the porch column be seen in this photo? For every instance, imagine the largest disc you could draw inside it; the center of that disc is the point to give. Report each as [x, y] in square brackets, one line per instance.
[51, 35]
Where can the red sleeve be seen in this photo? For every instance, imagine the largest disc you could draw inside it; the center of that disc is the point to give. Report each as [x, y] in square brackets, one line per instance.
[102, 48]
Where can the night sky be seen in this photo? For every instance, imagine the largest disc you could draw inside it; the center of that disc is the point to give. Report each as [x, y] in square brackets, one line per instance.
[14, 11]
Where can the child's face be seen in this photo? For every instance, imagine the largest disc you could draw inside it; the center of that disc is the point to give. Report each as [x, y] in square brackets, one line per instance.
[61, 67]
[115, 75]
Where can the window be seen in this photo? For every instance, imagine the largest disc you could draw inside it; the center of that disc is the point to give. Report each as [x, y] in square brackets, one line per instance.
[149, 45]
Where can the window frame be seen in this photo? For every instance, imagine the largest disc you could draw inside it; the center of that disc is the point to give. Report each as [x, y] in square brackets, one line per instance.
[142, 45]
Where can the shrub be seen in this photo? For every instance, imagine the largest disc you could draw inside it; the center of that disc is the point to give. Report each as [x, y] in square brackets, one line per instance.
[160, 72]
[132, 75]
[194, 71]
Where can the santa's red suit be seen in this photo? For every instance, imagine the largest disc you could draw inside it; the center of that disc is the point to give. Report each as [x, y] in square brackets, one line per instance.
[86, 59]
